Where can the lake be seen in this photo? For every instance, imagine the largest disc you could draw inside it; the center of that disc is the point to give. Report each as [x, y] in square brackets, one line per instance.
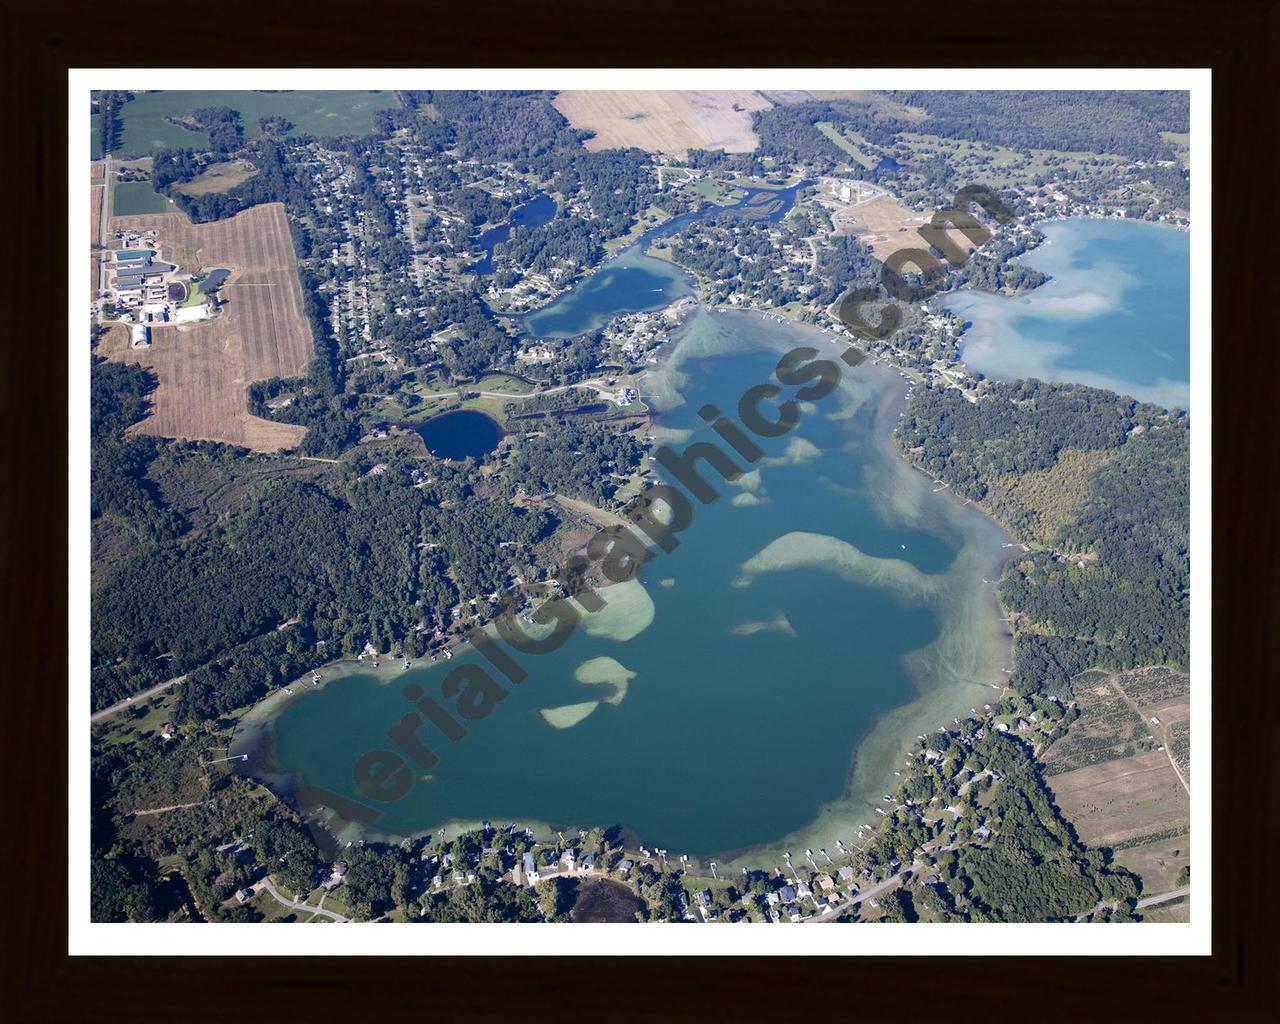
[532, 214]
[458, 435]
[635, 282]
[751, 691]
[1116, 314]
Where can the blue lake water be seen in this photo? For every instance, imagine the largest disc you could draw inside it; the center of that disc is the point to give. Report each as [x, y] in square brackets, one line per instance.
[1116, 314]
[533, 214]
[634, 282]
[458, 435]
[772, 669]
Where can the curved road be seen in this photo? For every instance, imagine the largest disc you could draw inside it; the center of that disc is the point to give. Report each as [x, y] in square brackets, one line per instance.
[267, 884]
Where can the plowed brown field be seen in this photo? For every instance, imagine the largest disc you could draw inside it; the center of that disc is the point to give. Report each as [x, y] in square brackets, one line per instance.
[261, 331]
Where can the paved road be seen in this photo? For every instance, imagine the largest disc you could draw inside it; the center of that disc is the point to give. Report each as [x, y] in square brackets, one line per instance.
[128, 702]
[1164, 897]
[275, 894]
[593, 385]
[867, 894]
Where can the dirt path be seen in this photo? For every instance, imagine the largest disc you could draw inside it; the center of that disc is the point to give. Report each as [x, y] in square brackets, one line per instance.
[162, 810]
[1161, 732]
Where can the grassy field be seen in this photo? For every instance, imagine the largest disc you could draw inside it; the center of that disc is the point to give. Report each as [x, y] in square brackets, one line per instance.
[665, 122]
[997, 166]
[262, 331]
[882, 223]
[719, 192]
[845, 142]
[131, 198]
[322, 113]
[222, 177]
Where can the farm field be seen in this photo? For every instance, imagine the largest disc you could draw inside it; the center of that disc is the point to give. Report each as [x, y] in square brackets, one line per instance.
[321, 113]
[130, 198]
[665, 122]
[1123, 800]
[262, 331]
[221, 177]
[1112, 780]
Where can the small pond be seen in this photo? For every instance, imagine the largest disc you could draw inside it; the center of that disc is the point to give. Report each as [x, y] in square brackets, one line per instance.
[458, 435]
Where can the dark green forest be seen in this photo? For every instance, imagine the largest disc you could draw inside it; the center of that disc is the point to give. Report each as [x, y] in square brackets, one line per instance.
[1128, 604]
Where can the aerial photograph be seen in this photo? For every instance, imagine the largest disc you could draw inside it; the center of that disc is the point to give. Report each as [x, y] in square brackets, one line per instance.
[576, 506]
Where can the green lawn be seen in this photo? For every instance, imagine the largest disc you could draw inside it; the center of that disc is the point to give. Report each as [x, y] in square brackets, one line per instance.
[195, 295]
[321, 113]
[131, 198]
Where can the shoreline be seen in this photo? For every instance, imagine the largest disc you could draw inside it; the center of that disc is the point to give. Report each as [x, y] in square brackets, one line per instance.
[886, 737]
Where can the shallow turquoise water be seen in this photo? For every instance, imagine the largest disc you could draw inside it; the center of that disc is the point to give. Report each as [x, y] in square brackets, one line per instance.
[1116, 314]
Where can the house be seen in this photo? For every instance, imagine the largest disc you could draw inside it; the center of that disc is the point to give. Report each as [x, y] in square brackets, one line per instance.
[625, 867]
[167, 731]
[586, 862]
[787, 893]
[530, 869]
[846, 874]
[982, 832]
[825, 882]
[568, 860]
[704, 898]
[244, 895]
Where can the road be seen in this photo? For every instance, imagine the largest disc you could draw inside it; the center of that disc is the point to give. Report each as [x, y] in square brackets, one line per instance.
[104, 232]
[868, 894]
[266, 883]
[128, 702]
[1164, 897]
[596, 386]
